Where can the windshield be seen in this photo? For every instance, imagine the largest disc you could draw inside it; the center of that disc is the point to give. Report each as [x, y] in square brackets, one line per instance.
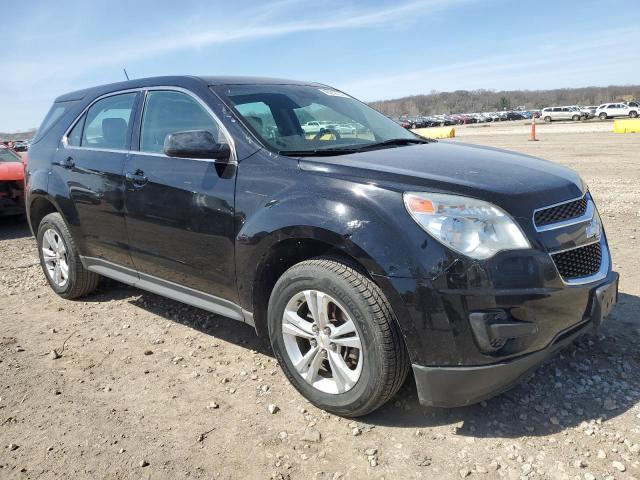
[300, 119]
[7, 155]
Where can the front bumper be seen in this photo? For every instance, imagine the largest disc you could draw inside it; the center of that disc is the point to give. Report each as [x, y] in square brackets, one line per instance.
[11, 198]
[454, 386]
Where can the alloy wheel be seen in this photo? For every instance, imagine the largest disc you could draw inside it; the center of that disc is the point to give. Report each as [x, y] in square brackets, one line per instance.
[55, 258]
[322, 342]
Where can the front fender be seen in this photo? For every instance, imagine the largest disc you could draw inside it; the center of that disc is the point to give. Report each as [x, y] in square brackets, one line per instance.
[366, 222]
[358, 219]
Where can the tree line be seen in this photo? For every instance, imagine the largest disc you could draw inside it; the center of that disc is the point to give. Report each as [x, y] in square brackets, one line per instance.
[467, 101]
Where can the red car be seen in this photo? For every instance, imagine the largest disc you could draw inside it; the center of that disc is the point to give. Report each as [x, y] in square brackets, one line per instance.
[11, 183]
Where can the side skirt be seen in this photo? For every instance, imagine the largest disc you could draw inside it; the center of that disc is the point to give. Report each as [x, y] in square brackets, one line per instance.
[183, 294]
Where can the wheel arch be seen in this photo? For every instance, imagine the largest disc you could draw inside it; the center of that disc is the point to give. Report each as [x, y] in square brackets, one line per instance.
[283, 253]
[39, 207]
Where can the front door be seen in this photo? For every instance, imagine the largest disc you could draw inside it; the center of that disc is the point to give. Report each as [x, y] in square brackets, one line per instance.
[91, 163]
[179, 211]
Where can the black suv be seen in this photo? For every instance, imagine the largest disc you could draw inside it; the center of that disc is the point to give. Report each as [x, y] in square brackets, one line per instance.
[359, 249]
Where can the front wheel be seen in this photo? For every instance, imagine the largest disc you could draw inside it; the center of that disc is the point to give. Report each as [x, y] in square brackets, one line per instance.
[547, 119]
[633, 114]
[575, 118]
[603, 116]
[336, 337]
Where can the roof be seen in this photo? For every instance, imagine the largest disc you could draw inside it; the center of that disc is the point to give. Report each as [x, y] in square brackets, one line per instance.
[178, 80]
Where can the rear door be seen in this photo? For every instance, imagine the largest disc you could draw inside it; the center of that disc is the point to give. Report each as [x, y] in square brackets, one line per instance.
[180, 211]
[91, 165]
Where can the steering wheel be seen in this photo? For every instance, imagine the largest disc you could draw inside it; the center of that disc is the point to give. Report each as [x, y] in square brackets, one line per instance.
[324, 131]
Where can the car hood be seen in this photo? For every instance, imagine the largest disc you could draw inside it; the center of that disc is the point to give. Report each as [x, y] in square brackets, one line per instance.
[514, 181]
[11, 171]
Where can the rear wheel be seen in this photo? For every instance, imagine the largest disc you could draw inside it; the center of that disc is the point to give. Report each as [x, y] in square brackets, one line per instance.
[60, 260]
[603, 116]
[336, 338]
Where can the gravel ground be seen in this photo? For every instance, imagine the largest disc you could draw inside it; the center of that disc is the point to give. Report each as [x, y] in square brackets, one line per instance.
[145, 387]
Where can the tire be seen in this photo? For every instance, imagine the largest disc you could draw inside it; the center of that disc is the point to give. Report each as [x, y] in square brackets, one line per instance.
[547, 119]
[79, 282]
[575, 118]
[603, 116]
[383, 356]
[633, 114]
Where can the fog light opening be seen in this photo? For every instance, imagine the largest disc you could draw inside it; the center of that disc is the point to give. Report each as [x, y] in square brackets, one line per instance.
[494, 329]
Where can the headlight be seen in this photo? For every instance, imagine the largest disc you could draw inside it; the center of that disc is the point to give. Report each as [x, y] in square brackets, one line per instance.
[472, 227]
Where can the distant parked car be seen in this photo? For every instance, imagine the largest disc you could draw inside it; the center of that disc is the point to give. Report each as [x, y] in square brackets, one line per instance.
[612, 110]
[550, 114]
[403, 122]
[311, 127]
[515, 116]
[11, 183]
[21, 146]
[589, 111]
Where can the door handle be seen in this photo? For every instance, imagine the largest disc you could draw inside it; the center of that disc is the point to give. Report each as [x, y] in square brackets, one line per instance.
[137, 178]
[67, 163]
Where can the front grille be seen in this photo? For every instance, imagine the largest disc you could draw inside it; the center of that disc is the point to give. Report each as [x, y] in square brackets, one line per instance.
[579, 262]
[560, 213]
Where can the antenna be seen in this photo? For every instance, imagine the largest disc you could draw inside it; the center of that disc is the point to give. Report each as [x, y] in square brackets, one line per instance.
[125, 73]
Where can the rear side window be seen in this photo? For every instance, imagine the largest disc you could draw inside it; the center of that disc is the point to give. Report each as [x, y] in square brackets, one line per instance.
[107, 122]
[168, 111]
[54, 114]
[75, 135]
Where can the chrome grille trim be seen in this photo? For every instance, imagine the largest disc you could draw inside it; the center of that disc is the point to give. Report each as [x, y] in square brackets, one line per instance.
[586, 217]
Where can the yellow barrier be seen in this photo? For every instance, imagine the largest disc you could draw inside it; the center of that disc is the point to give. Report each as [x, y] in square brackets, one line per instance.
[626, 126]
[435, 132]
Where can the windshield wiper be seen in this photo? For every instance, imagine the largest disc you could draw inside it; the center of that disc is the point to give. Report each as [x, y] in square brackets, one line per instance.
[319, 152]
[395, 142]
[354, 149]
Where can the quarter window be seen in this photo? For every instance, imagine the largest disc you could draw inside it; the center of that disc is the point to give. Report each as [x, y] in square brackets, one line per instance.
[167, 112]
[107, 122]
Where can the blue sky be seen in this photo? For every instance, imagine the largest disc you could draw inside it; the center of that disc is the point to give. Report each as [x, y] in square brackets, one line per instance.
[373, 50]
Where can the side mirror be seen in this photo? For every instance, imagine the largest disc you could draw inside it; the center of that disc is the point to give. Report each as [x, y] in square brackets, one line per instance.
[195, 144]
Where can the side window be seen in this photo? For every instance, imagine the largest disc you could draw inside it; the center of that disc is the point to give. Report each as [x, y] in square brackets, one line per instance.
[107, 122]
[75, 135]
[166, 112]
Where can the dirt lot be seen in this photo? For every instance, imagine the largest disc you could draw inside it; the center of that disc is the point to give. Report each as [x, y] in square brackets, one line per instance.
[148, 388]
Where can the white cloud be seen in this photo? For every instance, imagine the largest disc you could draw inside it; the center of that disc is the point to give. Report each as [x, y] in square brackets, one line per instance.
[607, 54]
[63, 60]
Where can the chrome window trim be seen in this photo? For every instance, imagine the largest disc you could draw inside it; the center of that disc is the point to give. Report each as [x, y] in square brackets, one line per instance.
[599, 275]
[65, 137]
[201, 102]
[585, 217]
[130, 151]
